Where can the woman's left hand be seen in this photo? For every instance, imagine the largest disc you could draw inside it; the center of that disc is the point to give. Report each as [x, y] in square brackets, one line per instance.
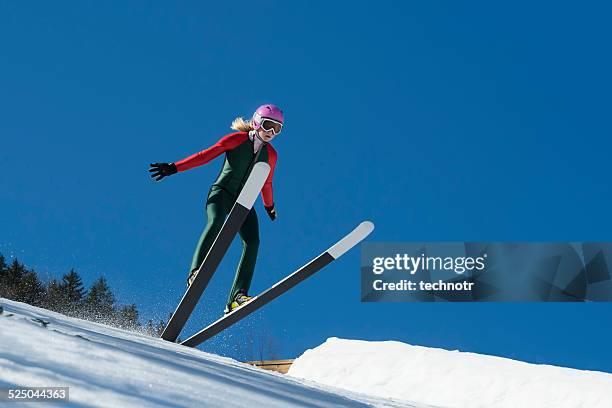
[271, 212]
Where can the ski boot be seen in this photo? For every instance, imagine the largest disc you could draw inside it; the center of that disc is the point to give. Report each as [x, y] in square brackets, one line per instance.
[191, 277]
[240, 299]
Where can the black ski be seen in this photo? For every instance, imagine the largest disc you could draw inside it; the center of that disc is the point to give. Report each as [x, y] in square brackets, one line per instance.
[334, 252]
[230, 228]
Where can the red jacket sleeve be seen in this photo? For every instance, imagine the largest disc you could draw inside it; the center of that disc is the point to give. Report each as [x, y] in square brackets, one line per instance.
[266, 191]
[226, 143]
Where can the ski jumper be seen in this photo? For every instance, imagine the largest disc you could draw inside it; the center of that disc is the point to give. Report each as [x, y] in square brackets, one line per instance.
[242, 150]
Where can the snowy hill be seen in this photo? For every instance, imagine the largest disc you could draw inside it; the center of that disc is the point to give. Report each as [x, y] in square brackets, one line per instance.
[450, 378]
[109, 367]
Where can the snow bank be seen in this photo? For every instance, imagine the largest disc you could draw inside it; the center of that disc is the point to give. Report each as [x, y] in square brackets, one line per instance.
[449, 378]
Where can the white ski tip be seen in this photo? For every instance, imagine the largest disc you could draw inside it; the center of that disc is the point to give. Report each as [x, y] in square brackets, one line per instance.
[351, 239]
[253, 185]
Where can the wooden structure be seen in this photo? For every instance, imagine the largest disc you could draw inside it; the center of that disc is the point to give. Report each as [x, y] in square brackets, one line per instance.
[280, 366]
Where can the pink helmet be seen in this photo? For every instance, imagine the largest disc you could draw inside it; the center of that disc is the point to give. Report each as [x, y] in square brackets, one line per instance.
[267, 111]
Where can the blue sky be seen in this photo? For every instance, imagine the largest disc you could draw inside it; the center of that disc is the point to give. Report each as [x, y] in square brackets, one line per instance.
[438, 121]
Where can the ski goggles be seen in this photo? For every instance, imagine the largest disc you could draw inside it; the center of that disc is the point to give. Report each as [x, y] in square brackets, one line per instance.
[271, 125]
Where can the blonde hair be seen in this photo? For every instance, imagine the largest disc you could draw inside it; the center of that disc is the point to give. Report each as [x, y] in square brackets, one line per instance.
[242, 125]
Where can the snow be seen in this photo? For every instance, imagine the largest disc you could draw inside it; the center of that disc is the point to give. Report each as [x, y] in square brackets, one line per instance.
[449, 378]
[109, 367]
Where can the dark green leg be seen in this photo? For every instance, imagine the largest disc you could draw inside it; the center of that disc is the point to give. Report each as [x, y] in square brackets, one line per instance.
[217, 208]
[249, 233]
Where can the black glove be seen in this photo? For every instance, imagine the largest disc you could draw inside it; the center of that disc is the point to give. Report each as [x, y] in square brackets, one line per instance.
[271, 212]
[160, 170]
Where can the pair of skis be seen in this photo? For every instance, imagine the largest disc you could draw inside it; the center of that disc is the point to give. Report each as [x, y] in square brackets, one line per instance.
[230, 228]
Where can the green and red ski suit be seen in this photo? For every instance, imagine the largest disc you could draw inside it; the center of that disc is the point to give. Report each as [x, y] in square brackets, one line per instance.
[240, 157]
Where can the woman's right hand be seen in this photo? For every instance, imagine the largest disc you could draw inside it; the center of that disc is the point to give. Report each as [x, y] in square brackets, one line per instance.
[160, 170]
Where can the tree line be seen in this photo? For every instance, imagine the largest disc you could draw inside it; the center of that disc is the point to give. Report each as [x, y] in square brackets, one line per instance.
[69, 296]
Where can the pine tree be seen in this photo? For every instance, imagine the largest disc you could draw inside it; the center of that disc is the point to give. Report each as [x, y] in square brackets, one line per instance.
[160, 328]
[14, 279]
[128, 317]
[72, 285]
[100, 301]
[54, 299]
[72, 291]
[149, 329]
[3, 276]
[31, 290]
[18, 283]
